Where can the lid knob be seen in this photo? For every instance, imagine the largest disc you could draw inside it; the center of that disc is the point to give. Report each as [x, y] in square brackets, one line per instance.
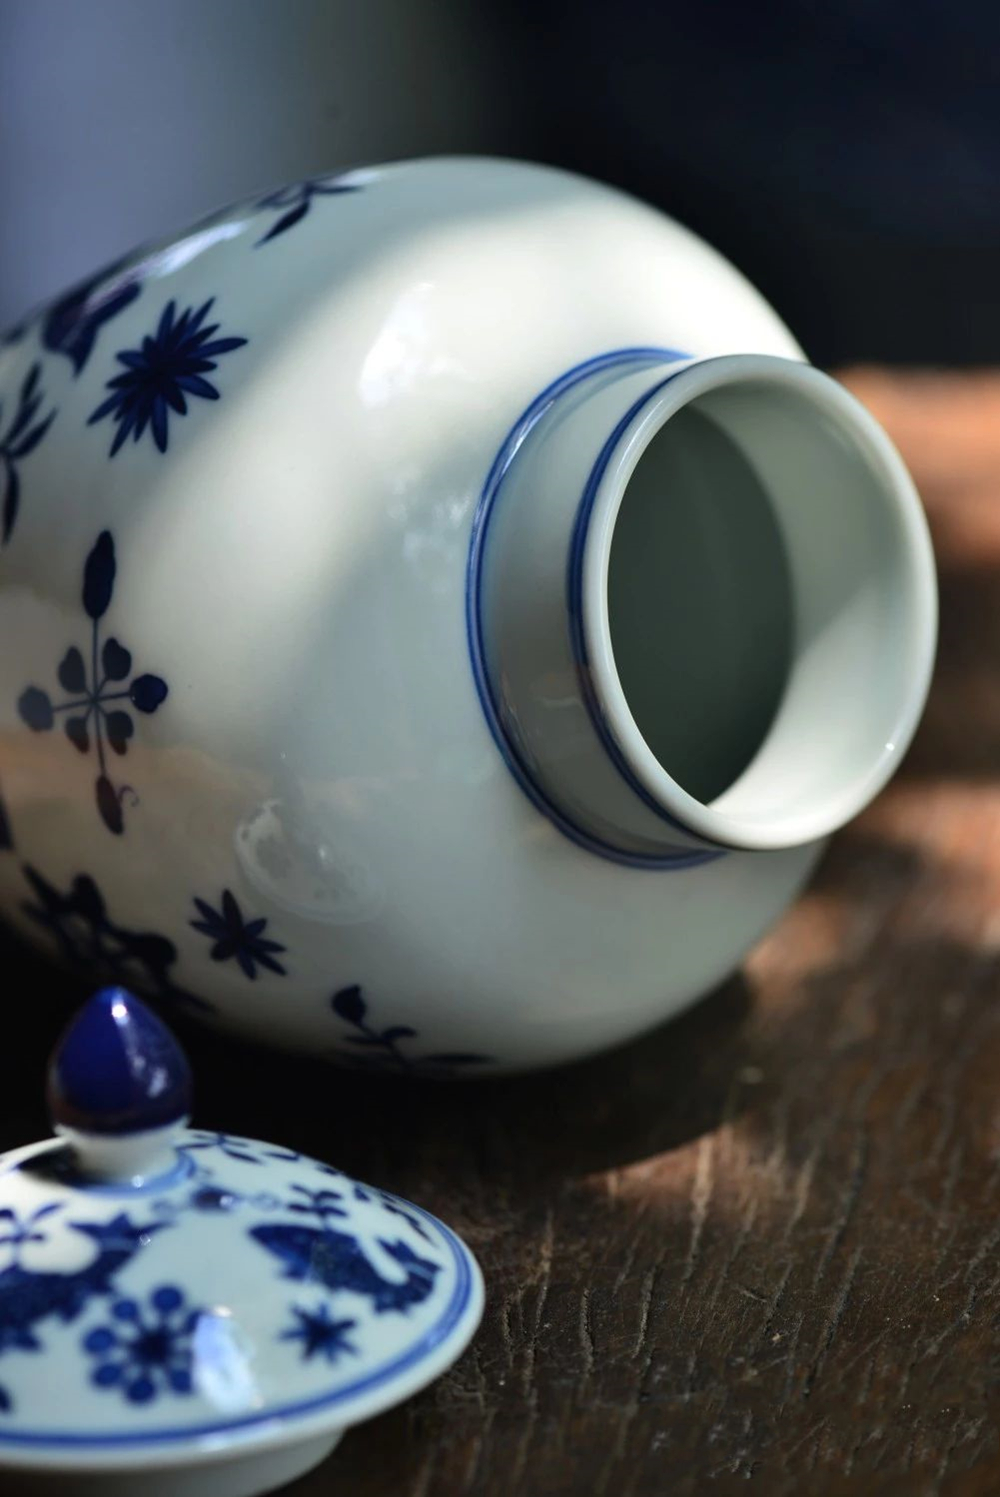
[119, 1088]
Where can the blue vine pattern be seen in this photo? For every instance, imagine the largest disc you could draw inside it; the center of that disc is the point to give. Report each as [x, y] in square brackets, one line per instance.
[88, 939]
[383, 1047]
[162, 374]
[296, 199]
[26, 429]
[144, 1350]
[237, 938]
[87, 684]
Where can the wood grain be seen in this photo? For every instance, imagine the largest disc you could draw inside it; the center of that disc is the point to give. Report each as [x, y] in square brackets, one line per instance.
[764, 1242]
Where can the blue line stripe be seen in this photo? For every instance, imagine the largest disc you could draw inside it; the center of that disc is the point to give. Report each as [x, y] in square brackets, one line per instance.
[492, 709]
[450, 1318]
[574, 602]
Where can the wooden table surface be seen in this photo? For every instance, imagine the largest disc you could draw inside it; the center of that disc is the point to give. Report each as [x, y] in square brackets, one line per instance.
[764, 1241]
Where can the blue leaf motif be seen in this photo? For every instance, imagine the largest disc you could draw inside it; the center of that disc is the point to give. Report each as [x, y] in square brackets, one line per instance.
[109, 805]
[18, 441]
[116, 660]
[349, 1005]
[119, 727]
[35, 708]
[99, 576]
[76, 732]
[72, 672]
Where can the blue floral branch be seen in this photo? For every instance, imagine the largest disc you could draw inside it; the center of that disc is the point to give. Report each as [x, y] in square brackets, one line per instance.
[384, 1045]
[88, 694]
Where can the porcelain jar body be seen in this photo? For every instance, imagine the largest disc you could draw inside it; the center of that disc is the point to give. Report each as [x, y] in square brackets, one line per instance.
[311, 716]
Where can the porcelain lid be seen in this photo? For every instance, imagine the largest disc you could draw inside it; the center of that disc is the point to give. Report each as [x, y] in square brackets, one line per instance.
[164, 1288]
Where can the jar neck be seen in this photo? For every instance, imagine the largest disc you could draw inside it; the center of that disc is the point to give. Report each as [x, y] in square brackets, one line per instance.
[701, 605]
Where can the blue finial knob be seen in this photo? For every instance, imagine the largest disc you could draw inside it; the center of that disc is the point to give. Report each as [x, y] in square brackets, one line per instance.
[118, 1071]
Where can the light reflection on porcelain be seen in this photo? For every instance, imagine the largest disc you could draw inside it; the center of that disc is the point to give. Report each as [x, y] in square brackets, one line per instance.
[427, 776]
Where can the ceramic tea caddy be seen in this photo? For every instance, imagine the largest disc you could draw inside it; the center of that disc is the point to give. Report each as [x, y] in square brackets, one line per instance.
[191, 1314]
[443, 616]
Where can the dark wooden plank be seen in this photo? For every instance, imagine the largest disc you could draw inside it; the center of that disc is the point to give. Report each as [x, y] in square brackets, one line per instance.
[763, 1241]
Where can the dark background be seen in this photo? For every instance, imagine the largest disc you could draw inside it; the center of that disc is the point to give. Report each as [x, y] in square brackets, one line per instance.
[844, 153]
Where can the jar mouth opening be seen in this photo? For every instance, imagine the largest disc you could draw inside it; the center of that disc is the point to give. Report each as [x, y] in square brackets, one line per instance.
[758, 601]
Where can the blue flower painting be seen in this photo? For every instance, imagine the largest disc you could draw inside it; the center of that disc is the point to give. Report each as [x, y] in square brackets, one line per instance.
[319, 1334]
[22, 434]
[145, 1350]
[233, 937]
[96, 687]
[166, 371]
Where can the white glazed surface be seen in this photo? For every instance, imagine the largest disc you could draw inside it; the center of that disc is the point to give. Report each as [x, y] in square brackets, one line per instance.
[294, 566]
[297, 1303]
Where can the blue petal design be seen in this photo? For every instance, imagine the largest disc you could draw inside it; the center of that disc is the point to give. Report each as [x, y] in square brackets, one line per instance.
[35, 709]
[158, 375]
[99, 576]
[72, 672]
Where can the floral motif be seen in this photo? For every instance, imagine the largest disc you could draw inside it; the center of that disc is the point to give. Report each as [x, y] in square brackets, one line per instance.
[88, 938]
[169, 366]
[319, 1333]
[296, 200]
[88, 683]
[22, 436]
[20, 1234]
[235, 937]
[383, 1045]
[70, 326]
[28, 1296]
[243, 1149]
[145, 1351]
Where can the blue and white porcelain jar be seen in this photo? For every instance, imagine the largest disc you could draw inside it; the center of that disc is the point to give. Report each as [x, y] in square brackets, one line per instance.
[443, 617]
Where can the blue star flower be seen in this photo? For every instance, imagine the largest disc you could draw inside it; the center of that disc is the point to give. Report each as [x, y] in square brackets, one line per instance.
[170, 365]
[319, 1334]
[236, 937]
